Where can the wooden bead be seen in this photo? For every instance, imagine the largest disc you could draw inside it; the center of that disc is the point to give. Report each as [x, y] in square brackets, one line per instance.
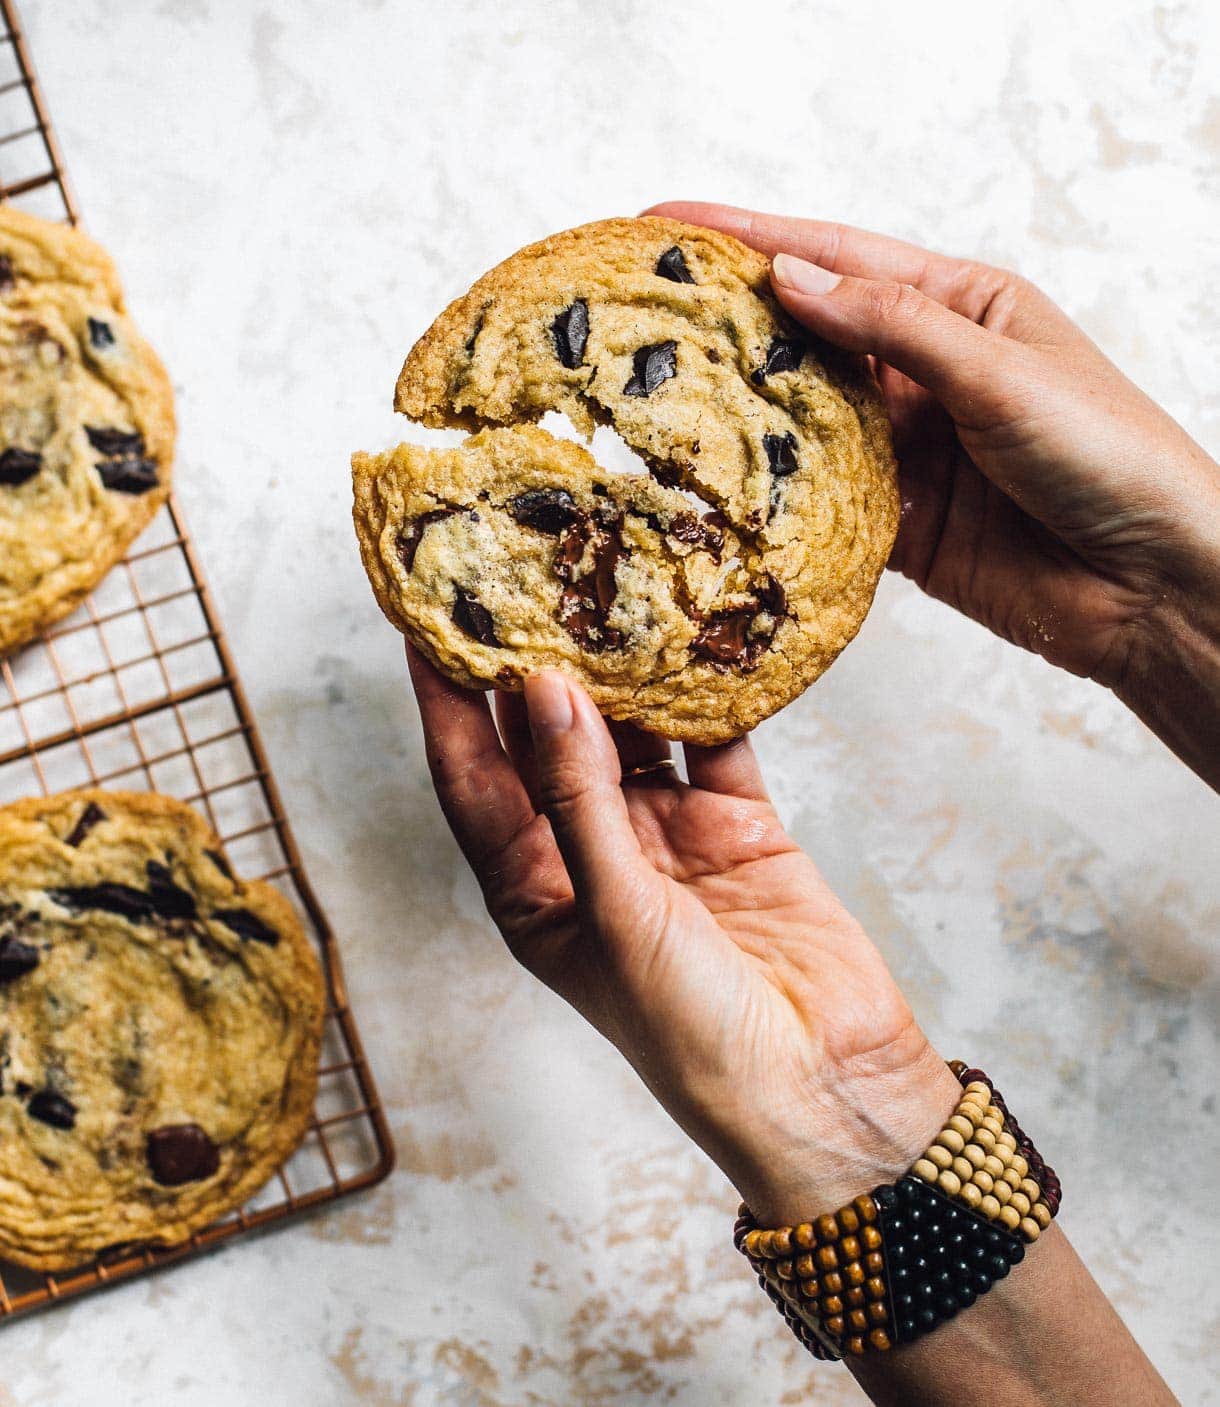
[857, 1319]
[1030, 1229]
[949, 1182]
[753, 1244]
[985, 1139]
[992, 1165]
[804, 1267]
[835, 1325]
[951, 1139]
[1003, 1152]
[1020, 1202]
[1011, 1178]
[832, 1284]
[874, 1263]
[809, 1288]
[782, 1241]
[870, 1238]
[831, 1304]
[849, 1248]
[978, 1087]
[783, 1268]
[826, 1258]
[1041, 1213]
[827, 1228]
[925, 1169]
[1031, 1189]
[856, 1296]
[854, 1273]
[995, 1112]
[974, 1155]
[804, 1236]
[874, 1287]
[963, 1169]
[990, 1208]
[960, 1124]
[877, 1312]
[1002, 1192]
[849, 1220]
[1009, 1217]
[855, 1346]
[1021, 1164]
[1007, 1140]
[880, 1340]
[971, 1195]
[867, 1209]
[983, 1180]
[938, 1155]
[993, 1126]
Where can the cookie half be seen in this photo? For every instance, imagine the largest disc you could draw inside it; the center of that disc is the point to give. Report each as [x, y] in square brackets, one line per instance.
[160, 1022]
[670, 334]
[86, 423]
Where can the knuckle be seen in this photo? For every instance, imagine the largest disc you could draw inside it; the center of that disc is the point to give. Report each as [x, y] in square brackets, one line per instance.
[893, 302]
[562, 788]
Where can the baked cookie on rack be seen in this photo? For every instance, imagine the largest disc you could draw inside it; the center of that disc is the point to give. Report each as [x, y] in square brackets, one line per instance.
[86, 423]
[694, 600]
[160, 1021]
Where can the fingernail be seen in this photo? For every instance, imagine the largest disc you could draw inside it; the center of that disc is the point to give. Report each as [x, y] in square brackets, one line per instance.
[801, 276]
[548, 703]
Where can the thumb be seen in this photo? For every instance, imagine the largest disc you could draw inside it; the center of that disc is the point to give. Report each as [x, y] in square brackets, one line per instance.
[578, 788]
[965, 366]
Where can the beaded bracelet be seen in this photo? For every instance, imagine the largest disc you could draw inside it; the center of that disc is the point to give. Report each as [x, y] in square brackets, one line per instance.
[895, 1263]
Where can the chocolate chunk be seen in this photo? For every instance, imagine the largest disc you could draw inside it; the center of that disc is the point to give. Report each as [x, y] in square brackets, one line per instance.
[470, 615]
[548, 510]
[109, 441]
[784, 354]
[650, 366]
[6, 273]
[409, 538]
[220, 862]
[737, 637]
[588, 596]
[672, 265]
[474, 333]
[168, 899]
[101, 335]
[163, 899]
[85, 822]
[248, 927]
[697, 532]
[50, 1108]
[570, 333]
[108, 897]
[181, 1153]
[781, 453]
[16, 959]
[131, 474]
[18, 465]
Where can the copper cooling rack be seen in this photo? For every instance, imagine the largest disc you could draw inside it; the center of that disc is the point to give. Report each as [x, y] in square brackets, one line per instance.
[137, 690]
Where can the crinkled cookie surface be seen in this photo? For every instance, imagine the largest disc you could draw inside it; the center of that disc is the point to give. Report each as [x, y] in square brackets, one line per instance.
[86, 423]
[160, 1021]
[695, 600]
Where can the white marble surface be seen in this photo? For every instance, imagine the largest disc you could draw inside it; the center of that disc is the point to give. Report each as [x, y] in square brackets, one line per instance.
[292, 191]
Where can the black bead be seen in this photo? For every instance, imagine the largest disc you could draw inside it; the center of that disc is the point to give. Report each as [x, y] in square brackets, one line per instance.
[933, 1231]
[926, 1319]
[948, 1306]
[927, 1290]
[960, 1267]
[899, 1274]
[966, 1295]
[906, 1330]
[999, 1267]
[1016, 1252]
[903, 1302]
[982, 1283]
[897, 1255]
[884, 1196]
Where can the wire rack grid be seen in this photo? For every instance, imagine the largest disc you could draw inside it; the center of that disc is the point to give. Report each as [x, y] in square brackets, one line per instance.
[137, 690]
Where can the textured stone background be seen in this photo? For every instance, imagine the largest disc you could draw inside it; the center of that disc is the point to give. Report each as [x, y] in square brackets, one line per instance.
[292, 191]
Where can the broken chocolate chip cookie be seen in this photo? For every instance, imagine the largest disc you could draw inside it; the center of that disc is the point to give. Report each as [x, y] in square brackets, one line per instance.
[694, 599]
[86, 423]
[160, 1021]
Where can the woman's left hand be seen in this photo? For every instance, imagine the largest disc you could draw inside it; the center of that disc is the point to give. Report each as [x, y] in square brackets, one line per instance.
[687, 926]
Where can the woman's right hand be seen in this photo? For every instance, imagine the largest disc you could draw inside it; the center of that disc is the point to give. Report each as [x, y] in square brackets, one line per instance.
[1043, 493]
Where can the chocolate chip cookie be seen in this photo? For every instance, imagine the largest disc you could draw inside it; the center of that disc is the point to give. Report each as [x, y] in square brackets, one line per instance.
[694, 600]
[160, 1020]
[86, 423]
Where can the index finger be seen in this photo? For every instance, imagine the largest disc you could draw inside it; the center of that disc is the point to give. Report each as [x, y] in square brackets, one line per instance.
[480, 792]
[841, 248]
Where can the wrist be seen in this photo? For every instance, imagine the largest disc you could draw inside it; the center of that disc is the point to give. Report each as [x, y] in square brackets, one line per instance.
[865, 1124]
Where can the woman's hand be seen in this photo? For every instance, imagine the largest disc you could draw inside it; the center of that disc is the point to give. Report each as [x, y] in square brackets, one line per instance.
[691, 931]
[1043, 494]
